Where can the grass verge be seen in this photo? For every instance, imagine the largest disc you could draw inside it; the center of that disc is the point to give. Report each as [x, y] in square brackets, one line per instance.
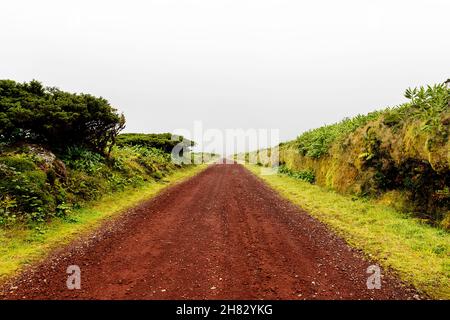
[418, 253]
[21, 246]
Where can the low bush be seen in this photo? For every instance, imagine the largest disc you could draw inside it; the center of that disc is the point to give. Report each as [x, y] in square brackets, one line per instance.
[32, 192]
[24, 192]
[305, 175]
[163, 141]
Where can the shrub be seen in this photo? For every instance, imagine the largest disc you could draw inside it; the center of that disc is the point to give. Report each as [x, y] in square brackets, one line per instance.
[25, 185]
[7, 212]
[162, 141]
[33, 192]
[31, 113]
[305, 175]
[82, 159]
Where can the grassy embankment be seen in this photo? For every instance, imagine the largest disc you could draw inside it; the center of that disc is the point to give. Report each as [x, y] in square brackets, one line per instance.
[22, 245]
[417, 252]
[399, 156]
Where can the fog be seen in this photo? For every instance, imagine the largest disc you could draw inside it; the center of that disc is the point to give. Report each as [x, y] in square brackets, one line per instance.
[234, 64]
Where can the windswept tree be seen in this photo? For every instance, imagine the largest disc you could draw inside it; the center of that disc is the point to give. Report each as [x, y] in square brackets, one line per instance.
[32, 113]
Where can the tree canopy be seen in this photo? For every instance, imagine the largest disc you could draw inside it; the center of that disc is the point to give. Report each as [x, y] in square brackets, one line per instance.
[30, 112]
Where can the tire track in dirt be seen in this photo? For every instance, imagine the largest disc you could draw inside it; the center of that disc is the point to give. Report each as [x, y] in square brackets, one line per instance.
[222, 234]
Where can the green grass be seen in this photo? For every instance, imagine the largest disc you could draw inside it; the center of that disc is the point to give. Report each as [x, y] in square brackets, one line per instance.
[419, 254]
[21, 246]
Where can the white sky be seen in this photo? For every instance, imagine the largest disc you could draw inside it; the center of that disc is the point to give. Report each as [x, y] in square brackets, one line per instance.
[288, 65]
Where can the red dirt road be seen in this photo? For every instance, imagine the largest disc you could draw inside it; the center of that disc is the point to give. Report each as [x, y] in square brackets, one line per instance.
[222, 234]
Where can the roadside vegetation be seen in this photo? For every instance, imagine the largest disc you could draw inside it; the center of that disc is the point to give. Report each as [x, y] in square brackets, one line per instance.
[163, 141]
[65, 167]
[60, 150]
[399, 156]
[305, 175]
[416, 251]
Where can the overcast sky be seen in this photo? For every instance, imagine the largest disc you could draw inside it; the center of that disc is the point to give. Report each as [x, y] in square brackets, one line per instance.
[288, 65]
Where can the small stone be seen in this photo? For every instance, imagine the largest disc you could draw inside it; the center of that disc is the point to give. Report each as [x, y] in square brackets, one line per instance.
[213, 288]
[163, 290]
